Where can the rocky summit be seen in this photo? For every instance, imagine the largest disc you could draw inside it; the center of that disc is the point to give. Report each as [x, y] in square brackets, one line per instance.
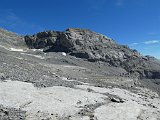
[96, 47]
[76, 74]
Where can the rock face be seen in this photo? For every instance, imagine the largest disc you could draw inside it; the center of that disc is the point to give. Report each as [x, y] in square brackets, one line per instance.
[42, 39]
[96, 47]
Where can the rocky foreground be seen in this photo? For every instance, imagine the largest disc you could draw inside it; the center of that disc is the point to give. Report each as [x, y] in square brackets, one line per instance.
[75, 75]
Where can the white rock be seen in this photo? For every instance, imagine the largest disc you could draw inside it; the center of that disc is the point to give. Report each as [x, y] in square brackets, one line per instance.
[56, 100]
[119, 111]
[63, 101]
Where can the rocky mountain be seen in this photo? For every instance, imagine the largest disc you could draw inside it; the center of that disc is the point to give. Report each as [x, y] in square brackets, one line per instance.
[95, 47]
[75, 74]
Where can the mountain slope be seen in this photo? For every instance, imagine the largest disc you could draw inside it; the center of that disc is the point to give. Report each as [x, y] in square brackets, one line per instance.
[96, 47]
[52, 85]
[10, 39]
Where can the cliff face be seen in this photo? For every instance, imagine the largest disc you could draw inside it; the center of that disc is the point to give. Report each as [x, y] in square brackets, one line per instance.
[96, 47]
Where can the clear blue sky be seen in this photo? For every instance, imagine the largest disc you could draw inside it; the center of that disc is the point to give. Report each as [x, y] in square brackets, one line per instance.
[132, 22]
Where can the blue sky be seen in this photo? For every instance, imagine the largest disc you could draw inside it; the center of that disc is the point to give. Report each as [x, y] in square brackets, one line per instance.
[132, 22]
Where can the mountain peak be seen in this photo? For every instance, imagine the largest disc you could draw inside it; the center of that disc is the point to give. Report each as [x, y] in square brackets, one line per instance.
[94, 47]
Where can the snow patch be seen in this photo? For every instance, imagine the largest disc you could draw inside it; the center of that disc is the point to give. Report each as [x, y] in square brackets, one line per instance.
[16, 50]
[12, 49]
[36, 50]
[64, 54]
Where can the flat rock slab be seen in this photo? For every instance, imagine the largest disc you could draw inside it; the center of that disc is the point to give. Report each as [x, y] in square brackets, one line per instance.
[54, 101]
[82, 102]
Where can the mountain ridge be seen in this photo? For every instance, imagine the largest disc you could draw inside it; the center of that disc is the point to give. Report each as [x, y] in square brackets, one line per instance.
[94, 47]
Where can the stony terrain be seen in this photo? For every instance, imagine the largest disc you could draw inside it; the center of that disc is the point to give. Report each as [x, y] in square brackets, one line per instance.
[75, 75]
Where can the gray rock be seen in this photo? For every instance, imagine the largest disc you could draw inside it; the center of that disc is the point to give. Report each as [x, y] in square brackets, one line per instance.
[95, 47]
[2, 76]
[41, 40]
[11, 114]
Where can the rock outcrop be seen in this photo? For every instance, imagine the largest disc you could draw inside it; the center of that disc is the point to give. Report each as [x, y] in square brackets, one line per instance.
[96, 47]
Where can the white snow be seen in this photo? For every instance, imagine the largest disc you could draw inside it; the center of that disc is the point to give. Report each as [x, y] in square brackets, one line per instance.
[64, 54]
[36, 50]
[12, 49]
[16, 50]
